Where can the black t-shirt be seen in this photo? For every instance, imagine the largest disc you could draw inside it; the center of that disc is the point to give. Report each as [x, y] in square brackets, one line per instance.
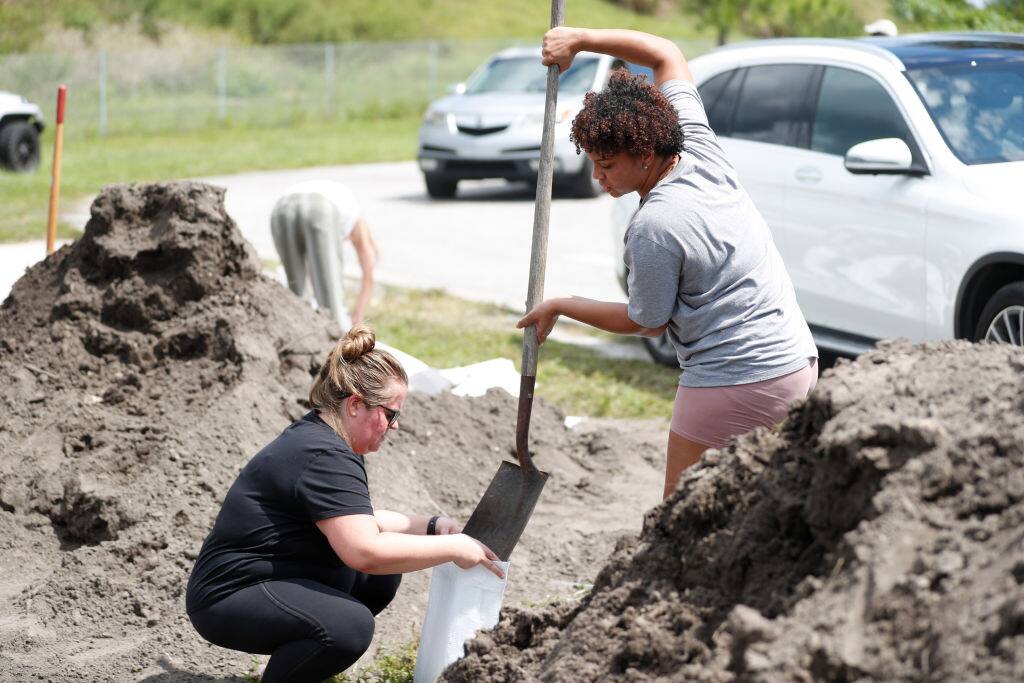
[266, 528]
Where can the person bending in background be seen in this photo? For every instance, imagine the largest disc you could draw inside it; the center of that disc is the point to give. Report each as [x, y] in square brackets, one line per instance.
[701, 260]
[310, 223]
[299, 562]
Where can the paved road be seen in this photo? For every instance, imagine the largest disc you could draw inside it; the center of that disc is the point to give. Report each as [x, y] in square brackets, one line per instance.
[476, 246]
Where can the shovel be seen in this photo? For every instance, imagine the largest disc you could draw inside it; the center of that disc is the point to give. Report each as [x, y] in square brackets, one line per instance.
[501, 515]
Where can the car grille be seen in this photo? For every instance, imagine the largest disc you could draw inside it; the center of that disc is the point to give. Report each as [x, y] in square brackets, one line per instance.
[481, 131]
[480, 166]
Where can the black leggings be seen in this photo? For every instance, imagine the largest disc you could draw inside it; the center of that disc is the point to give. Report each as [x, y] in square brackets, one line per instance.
[312, 631]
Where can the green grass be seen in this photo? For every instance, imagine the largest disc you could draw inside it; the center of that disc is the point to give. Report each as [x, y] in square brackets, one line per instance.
[444, 331]
[394, 666]
[90, 163]
[260, 21]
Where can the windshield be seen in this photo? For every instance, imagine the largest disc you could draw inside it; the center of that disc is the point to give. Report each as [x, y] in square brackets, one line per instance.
[527, 74]
[978, 106]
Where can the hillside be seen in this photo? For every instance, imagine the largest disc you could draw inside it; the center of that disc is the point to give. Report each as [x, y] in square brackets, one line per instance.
[30, 26]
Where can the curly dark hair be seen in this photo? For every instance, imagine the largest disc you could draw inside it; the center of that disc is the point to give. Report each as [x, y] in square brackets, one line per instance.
[629, 115]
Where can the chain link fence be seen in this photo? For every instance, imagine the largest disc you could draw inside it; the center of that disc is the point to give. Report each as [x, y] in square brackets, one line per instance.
[181, 89]
[168, 89]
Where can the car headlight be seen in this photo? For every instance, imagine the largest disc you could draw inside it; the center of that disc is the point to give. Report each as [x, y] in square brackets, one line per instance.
[437, 118]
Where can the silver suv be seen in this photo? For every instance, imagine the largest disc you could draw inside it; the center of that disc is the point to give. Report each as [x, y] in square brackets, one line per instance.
[491, 126]
[21, 122]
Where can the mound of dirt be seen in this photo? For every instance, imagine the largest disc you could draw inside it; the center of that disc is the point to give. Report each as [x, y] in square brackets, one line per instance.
[878, 536]
[143, 365]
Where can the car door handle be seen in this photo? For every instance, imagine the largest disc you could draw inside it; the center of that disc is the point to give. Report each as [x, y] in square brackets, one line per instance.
[808, 174]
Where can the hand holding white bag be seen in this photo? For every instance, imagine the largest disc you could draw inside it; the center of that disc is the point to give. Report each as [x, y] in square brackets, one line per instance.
[462, 602]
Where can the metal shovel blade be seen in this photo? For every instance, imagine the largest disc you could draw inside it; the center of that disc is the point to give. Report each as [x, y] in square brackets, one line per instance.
[501, 515]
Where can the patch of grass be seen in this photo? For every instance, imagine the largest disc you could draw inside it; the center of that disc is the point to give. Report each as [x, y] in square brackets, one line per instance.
[445, 331]
[90, 163]
[393, 666]
[253, 674]
[297, 21]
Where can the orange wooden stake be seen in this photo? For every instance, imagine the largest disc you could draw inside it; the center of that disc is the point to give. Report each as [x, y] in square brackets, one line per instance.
[51, 223]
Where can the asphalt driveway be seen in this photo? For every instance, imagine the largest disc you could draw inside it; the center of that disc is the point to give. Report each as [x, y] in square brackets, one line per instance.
[476, 246]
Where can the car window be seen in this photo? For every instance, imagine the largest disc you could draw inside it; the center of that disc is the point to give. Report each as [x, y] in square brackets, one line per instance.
[634, 69]
[578, 79]
[772, 105]
[527, 74]
[978, 105]
[719, 96]
[645, 71]
[710, 90]
[852, 108]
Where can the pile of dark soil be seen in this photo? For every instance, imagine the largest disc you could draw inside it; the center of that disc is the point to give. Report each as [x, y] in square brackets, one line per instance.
[143, 365]
[878, 536]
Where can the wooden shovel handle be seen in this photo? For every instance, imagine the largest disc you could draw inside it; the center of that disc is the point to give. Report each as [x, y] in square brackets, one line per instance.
[539, 253]
[58, 146]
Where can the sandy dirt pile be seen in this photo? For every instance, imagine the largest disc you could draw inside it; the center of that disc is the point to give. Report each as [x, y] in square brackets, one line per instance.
[143, 365]
[879, 536]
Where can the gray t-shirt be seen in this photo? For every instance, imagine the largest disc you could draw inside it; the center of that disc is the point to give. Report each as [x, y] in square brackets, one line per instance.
[702, 259]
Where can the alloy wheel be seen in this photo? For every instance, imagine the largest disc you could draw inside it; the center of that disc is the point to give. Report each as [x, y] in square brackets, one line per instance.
[1008, 326]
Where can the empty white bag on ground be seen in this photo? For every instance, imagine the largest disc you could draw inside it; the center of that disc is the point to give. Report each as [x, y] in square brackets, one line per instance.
[462, 602]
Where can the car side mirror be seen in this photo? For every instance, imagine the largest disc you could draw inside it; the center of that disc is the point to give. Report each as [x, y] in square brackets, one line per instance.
[456, 89]
[885, 155]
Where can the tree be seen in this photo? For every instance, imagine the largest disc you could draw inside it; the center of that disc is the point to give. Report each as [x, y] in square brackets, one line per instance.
[721, 15]
[775, 17]
[805, 18]
[996, 15]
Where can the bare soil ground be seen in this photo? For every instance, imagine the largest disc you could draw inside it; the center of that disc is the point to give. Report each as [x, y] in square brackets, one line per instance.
[879, 536]
[144, 364]
[876, 536]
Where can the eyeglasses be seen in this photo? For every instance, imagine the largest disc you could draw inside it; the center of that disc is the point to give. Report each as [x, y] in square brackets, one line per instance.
[391, 415]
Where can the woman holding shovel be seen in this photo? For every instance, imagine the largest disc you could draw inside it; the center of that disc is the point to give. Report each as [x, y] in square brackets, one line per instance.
[299, 562]
[701, 260]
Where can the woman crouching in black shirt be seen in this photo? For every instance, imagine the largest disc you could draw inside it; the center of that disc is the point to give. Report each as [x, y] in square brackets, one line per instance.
[299, 562]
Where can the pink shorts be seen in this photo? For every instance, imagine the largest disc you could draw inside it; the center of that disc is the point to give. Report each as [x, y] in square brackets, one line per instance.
[712, 415]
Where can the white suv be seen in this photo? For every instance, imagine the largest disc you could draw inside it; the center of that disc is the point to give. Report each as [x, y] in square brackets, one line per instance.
[891, 173]
[21, 122]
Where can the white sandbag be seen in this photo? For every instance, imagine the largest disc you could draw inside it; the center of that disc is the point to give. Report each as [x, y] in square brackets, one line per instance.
[462, 602]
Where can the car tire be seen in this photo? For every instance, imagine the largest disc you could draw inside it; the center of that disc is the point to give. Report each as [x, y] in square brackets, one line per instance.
[1002, 319]
[582, 184]
[440, 188]
[19, 146]
[661, 350]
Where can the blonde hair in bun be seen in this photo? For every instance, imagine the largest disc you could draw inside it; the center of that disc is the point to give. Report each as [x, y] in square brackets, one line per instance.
[356, 367]
[359, 341]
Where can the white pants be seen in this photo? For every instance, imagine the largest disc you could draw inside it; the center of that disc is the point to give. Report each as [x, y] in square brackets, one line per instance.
[307, 237]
